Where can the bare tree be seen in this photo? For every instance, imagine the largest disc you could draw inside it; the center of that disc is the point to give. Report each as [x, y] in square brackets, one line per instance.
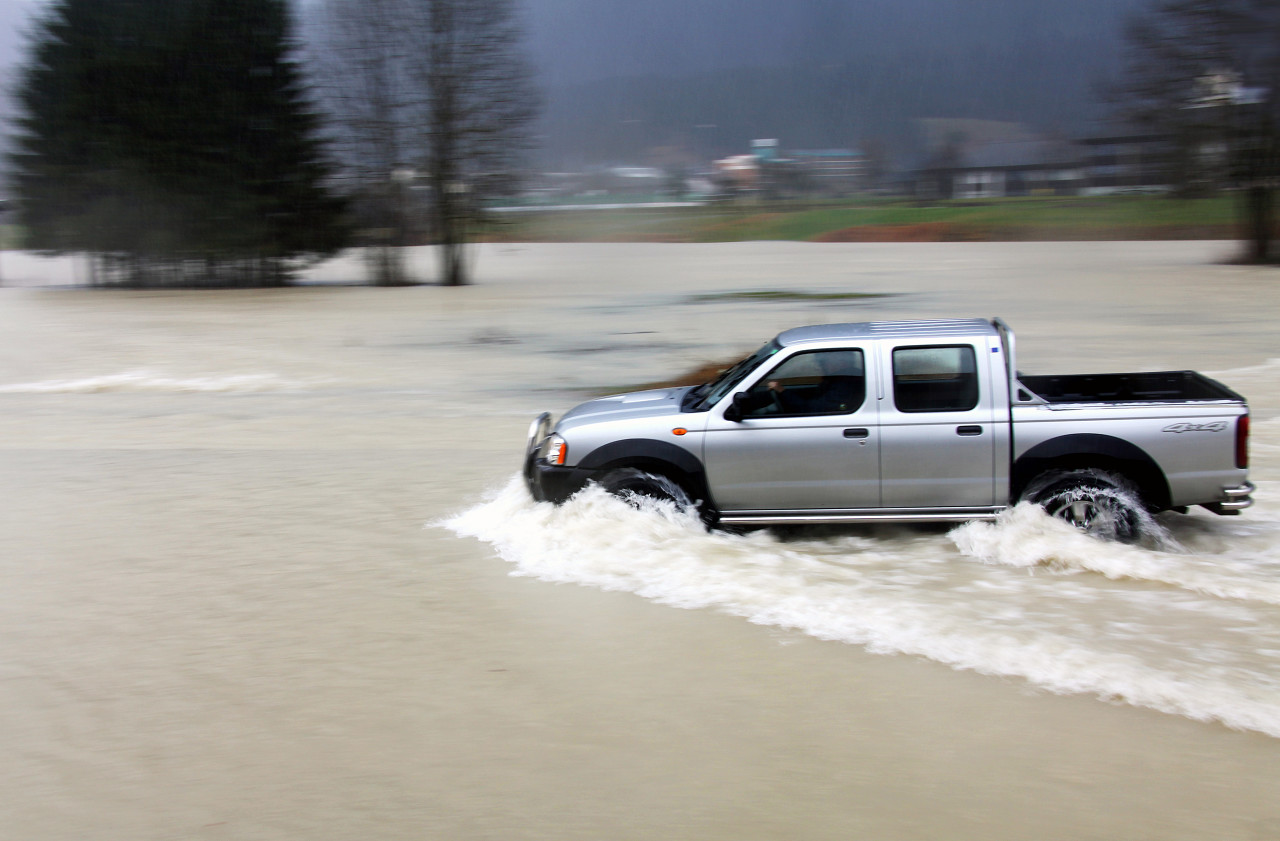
[428, 96]
[362, 67]
[1206, 74]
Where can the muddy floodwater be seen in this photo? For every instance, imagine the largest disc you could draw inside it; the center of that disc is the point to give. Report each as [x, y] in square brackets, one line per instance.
[267, 573]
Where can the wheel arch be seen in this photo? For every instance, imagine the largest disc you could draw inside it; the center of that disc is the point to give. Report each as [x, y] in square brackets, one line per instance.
[1085, 451]
[676, 463]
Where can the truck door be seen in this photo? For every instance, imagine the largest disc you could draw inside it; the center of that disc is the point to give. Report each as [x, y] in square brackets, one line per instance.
[806, 438]
[937, 427]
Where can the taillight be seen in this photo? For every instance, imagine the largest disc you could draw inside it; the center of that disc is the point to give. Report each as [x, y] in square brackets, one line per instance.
[1242, 441]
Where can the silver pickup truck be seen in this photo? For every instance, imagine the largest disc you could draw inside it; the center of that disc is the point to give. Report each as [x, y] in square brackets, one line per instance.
[914, 421]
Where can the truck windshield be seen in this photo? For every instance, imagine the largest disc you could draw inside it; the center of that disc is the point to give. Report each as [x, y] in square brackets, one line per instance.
[708, 394]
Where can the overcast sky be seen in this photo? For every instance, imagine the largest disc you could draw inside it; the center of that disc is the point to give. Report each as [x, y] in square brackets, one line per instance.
[906, 49]
[575, 39]
[591, 39]
[12, 14]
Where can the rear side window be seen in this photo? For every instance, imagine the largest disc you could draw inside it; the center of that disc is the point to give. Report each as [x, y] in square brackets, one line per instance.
[942, 378]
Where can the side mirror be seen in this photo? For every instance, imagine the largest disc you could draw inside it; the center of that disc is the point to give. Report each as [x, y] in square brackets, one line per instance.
[734, 412]
[743, 402]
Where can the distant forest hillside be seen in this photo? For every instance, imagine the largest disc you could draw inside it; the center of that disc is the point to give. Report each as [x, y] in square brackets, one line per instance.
[640, 83]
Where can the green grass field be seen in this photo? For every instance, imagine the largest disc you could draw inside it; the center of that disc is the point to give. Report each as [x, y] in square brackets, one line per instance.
[9, 236]
[870, 220]
[1075, 218]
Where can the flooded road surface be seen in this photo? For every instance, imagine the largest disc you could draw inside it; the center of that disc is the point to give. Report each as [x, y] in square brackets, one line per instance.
[242, 596]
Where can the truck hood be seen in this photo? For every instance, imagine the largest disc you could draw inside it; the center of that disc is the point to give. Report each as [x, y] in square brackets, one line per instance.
[633, 406]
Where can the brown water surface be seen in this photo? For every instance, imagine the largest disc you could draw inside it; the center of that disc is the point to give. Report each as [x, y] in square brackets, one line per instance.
[228, 609]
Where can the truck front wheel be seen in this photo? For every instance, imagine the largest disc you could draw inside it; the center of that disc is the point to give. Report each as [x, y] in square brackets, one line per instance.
[629, 483]
[1098, 503]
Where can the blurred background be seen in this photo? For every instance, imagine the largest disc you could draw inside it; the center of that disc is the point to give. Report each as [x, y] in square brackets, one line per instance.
[394, 123]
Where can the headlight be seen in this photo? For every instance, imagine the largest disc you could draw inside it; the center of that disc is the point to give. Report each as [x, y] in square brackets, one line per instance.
[554, 450]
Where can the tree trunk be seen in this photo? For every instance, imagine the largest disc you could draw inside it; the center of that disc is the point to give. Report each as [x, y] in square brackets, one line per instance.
[1260, 204]
[451, 222]
[453, 268]
[386, 265]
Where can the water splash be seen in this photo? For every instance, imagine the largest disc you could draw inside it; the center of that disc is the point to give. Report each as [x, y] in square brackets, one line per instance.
[1027, 596]
[1024, 536]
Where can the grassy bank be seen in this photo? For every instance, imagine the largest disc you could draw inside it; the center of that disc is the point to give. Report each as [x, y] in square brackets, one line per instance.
[869, 220]
[878, 220]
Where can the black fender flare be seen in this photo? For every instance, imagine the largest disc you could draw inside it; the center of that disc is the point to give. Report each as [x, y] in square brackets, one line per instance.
[656, 456]
[1090, 449]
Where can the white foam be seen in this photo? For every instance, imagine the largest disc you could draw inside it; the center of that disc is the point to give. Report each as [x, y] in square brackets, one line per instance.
[1025, 597]
[144, 381]
[1024, 536]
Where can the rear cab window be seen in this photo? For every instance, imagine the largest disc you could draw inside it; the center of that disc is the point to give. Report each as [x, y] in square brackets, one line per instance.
[935, 378]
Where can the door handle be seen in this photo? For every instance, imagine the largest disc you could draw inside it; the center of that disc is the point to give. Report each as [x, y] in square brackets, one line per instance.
[969, 430]
[858, 432]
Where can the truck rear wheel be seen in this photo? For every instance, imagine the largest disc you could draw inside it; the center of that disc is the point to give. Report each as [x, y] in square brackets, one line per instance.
[1098, 503]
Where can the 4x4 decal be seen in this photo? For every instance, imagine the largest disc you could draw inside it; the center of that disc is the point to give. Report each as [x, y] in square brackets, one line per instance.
[1212, 426]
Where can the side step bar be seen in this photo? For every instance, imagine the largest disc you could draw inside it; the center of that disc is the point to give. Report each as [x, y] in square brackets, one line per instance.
[815, 518]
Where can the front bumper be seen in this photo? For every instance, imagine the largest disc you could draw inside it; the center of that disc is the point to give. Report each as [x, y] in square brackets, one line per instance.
[549, 482]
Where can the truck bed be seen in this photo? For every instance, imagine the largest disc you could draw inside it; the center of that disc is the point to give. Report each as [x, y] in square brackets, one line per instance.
[1147, 387]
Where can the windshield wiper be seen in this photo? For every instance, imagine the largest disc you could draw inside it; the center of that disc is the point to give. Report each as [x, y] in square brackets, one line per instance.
[693, 395]
[725, 375]
[695, 400]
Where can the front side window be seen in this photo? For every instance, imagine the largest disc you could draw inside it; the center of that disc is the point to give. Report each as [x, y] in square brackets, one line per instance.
[935, 379]
[822, 382]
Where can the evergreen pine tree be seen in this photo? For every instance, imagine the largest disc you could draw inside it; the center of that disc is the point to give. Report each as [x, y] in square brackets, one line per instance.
[172, 141]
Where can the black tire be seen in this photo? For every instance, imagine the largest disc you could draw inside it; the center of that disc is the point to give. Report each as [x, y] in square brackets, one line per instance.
[630, 483]
[1098, 503]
